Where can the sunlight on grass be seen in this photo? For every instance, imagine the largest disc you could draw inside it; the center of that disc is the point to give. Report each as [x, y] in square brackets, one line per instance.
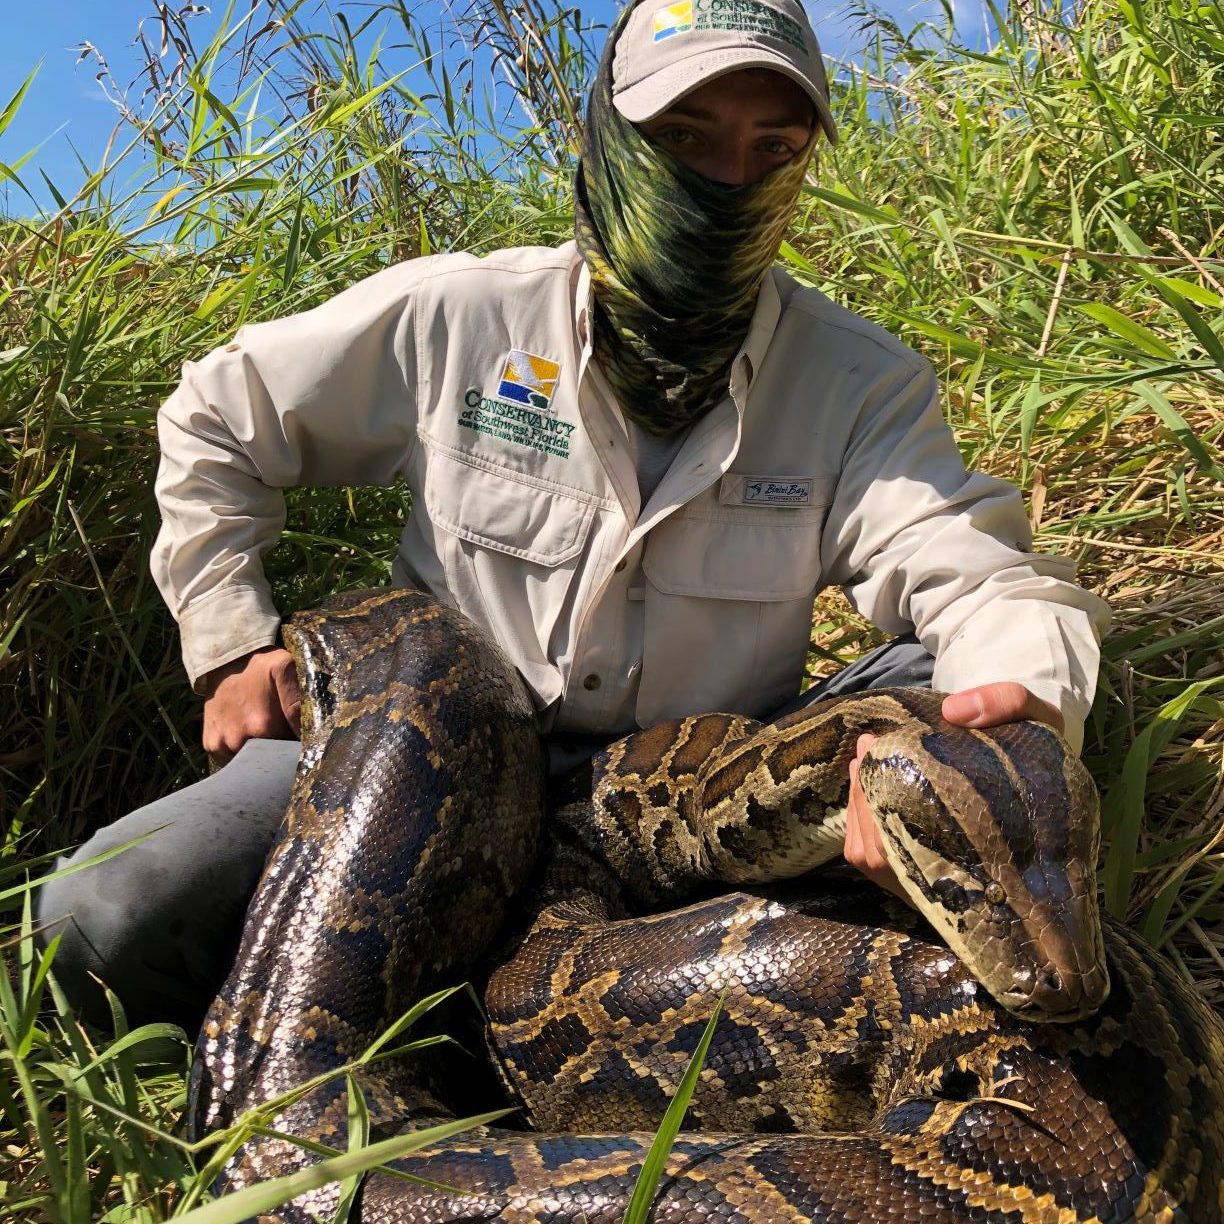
[1042, 220]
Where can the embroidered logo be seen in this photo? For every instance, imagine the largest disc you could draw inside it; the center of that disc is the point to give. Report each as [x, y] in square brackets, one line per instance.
[749, 17]
[521, 412]
[673, 19]
[767, 491]
[528, 379]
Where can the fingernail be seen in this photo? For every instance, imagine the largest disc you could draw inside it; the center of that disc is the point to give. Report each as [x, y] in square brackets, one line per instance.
[964, 708]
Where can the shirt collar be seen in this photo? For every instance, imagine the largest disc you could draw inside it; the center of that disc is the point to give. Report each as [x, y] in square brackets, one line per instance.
[580, 278]
[760, 333]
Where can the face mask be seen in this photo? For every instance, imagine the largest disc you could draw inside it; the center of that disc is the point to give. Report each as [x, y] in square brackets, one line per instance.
[676, 263]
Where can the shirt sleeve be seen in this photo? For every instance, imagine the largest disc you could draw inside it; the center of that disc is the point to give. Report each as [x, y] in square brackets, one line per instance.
[326, 397]
[919, 543]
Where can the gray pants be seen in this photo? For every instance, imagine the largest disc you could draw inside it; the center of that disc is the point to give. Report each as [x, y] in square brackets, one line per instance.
[159, 923]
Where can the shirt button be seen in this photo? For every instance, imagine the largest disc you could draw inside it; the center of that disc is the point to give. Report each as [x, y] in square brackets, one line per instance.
[620, 565]
[592, 682]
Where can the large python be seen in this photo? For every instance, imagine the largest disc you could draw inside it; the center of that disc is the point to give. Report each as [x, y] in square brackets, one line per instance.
[859, 1071]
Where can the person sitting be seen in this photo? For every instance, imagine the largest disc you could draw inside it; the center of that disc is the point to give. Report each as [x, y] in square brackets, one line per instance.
[634, 459]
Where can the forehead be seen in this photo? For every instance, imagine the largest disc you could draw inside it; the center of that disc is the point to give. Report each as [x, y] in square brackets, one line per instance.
[760, 92]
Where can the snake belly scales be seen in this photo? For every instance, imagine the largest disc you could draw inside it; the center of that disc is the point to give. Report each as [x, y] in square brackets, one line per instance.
[859, 1070]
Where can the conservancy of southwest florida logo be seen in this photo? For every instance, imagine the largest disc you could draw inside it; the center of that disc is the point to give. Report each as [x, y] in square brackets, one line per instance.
[528, 379]
[673, 19]
[749, 17]
[521, 412]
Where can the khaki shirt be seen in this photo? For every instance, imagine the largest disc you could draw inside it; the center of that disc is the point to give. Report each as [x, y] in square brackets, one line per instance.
[829, 462]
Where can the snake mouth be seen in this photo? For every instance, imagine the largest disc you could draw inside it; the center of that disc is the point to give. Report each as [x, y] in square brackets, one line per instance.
[1051, 997]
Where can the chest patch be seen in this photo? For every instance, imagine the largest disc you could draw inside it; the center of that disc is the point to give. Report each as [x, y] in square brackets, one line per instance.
[521, 411]
[771, 491]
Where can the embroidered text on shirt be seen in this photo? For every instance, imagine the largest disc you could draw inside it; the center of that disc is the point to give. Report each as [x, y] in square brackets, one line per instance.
[769, 491]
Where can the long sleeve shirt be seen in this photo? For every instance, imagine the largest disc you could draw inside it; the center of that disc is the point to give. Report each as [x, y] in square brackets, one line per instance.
[827, 463]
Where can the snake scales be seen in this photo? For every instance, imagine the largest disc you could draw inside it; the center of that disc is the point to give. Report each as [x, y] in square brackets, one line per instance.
[858, 1073]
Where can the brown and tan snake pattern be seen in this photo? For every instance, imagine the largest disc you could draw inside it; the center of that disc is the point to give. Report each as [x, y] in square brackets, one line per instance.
[860, 1070]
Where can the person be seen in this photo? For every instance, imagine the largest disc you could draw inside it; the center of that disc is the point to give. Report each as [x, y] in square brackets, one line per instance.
[634, 460]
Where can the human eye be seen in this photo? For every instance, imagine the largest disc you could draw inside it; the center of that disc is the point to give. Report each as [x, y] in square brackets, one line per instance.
[776, 146]
[676, 136]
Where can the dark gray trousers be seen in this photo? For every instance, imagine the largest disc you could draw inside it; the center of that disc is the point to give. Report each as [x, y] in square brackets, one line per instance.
[160, 922]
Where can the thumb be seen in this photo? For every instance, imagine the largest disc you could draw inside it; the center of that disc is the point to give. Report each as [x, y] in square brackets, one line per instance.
[289, 694]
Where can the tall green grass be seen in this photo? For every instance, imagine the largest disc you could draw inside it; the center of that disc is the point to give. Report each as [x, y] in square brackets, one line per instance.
[1043, 220]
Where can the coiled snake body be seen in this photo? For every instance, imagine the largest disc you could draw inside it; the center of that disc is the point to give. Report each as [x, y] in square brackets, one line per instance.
[859, 1072]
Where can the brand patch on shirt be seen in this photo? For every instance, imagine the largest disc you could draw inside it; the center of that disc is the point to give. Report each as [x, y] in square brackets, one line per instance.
[673, 19]
[521, 412]
[768, 491]
[529, 379]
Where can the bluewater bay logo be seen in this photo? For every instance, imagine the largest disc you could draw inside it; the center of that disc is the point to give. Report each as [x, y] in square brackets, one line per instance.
[775, 491]
[529, 379]
[673, 19]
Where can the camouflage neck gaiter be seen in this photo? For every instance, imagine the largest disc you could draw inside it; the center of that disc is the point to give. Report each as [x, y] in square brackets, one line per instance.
[676, 263]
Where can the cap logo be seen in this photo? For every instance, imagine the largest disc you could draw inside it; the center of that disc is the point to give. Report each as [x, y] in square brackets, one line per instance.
[673, 19]
[750, 17]
[528, 379]
[732, 16]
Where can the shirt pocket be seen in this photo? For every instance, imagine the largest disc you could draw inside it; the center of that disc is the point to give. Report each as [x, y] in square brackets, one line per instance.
[728, 615]
[509, 547]
[506, 512]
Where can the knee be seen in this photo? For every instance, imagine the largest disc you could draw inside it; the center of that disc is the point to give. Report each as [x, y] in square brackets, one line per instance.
[85, 909]
[69, 913]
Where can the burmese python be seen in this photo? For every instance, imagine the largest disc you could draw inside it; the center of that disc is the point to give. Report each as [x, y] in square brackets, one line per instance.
[414, 820]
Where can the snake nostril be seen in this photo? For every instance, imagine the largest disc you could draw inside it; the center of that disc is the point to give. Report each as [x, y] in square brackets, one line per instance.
[1051, 979]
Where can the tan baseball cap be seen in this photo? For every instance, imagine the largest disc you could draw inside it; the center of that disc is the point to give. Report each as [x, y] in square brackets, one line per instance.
[667, 49]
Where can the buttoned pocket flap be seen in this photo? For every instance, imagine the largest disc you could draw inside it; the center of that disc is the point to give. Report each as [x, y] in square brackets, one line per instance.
[760, 553]
[503, 511]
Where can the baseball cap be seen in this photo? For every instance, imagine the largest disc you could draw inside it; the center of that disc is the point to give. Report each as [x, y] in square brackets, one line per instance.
[665, 50]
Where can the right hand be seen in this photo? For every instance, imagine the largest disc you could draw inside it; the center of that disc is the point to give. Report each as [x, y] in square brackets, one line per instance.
[253, 697]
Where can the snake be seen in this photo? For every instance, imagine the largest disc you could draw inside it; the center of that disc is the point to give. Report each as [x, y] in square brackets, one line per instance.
[994, 1051]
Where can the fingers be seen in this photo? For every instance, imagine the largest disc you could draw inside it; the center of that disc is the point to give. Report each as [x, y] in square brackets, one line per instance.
[864, 845]
[853, 851]
[287, 692]
[991, 705]
[255, 697]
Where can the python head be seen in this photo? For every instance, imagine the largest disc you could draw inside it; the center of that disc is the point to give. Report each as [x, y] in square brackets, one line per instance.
[994, 836]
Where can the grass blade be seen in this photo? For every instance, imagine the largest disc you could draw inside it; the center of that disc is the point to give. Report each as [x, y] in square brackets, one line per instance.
[267, 1196]
[644, 1190]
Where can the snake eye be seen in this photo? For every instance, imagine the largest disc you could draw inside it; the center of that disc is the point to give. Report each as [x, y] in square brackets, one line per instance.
[995, 893]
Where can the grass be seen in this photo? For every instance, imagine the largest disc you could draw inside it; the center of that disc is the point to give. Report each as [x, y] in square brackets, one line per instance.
[1042, 220]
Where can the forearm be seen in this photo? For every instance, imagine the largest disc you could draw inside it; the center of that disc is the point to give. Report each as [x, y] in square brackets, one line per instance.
[919, 542]
[1043, 635]
[218, 518]
[322, 398]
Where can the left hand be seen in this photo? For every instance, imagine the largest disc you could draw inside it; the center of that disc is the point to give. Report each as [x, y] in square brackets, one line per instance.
[987, 705]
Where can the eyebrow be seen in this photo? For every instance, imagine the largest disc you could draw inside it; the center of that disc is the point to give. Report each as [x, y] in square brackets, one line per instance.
[788, 120]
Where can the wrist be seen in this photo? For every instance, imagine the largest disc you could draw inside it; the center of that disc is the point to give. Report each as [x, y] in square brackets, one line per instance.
[208, 683]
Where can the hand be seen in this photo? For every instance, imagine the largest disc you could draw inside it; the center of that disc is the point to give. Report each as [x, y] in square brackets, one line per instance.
[992, 705]
[864, 848]
[254, 697]
[987, 705]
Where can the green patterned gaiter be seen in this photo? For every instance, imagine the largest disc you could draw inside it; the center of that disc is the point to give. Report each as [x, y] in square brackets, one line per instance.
[676, 262]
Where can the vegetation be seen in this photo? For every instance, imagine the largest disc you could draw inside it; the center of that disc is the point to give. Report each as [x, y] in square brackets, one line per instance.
[1043, 220]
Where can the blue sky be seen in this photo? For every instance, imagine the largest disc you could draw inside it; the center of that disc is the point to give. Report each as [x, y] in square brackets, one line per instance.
[66, 107]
